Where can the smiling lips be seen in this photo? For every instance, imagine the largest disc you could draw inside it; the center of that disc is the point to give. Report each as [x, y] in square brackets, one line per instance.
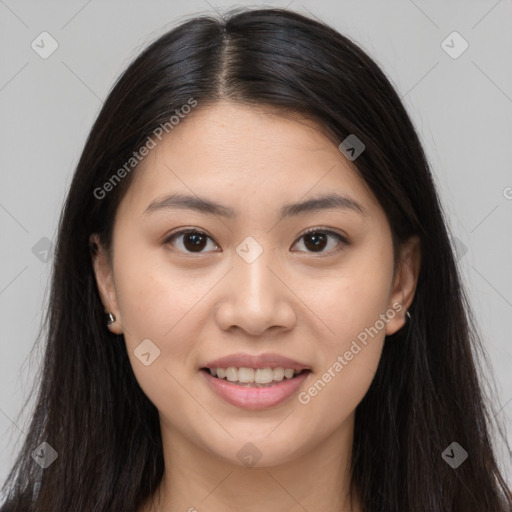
[255, 382]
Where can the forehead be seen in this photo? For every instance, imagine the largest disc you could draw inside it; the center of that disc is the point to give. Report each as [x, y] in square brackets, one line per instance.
[246, 156]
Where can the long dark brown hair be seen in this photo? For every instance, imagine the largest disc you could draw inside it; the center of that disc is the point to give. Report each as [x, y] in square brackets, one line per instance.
[427, 391]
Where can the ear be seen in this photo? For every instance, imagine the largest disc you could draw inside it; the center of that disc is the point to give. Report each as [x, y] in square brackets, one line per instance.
[405, 282]
[105, 281]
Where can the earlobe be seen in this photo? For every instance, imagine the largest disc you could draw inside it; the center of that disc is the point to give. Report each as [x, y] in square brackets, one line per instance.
[105, 282]
[406, 280]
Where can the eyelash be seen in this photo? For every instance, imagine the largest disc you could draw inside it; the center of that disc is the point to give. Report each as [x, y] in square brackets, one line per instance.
[343, 241]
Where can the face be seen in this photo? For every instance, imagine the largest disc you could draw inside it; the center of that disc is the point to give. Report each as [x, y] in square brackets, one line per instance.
[307, 291]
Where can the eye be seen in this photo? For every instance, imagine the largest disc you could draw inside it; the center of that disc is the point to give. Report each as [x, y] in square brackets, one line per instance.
[316, 239]
[193, 241]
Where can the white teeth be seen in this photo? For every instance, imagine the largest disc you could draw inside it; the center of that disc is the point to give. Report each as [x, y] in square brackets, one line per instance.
[263, 375]
[246, 375]
[231, 374]
[278, 374]
[288, 373]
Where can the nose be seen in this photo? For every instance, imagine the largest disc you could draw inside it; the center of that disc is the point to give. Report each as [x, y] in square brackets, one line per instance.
[255, 297]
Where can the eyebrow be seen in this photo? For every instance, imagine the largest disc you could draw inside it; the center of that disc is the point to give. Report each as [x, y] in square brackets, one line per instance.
[203, 205]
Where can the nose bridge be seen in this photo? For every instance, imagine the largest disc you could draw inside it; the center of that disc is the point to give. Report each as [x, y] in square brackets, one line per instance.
[252, 271]
[255, 298]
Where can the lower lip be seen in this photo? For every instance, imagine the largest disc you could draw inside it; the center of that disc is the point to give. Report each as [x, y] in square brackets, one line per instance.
[254, 398]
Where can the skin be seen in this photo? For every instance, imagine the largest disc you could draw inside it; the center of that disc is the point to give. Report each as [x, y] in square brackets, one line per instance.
[303, 304]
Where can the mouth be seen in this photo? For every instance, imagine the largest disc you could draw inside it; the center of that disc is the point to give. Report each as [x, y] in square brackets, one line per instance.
[255, 377]
[254, 388]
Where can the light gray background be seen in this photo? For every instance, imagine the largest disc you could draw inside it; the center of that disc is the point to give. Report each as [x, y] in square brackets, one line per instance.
[462, 108]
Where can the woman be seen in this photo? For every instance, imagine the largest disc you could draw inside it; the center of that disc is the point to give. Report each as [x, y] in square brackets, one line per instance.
[255, 304]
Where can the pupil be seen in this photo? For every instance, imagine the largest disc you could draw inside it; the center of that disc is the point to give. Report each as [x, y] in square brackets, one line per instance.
[197, 241]
[319, 241]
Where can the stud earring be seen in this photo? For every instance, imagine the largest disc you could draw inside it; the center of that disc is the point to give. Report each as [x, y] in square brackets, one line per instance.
[110, 318]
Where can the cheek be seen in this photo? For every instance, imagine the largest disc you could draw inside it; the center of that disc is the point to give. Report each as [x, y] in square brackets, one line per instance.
[155, 317]
[329, 401]
[153, 295]
[152, 307]
[164, 304]
[348, 359]
[351, 301]
[353, 308]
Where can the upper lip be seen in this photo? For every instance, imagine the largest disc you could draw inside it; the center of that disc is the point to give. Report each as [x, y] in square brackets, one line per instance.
[253, 361]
